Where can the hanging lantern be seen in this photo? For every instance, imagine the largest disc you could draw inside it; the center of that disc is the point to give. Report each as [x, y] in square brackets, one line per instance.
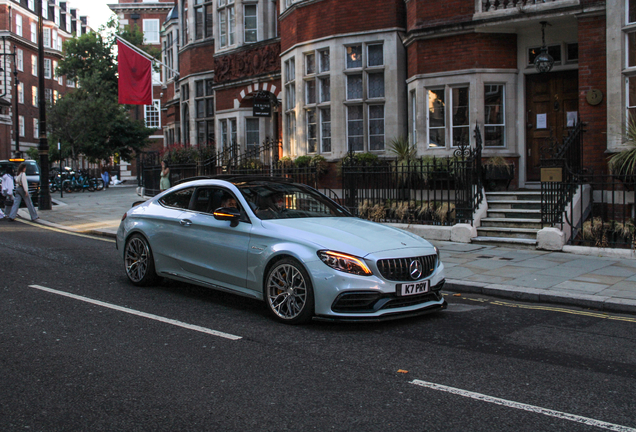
[544, 61]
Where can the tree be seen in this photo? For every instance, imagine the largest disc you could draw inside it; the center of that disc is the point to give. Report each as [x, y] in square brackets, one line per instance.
[89, 121]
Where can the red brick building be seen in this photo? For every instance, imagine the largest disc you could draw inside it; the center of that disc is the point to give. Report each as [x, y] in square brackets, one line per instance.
[353, 75]
[18, 24]
[471, 63]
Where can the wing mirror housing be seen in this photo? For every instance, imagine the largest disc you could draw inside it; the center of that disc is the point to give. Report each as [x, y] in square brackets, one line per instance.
[228, 214]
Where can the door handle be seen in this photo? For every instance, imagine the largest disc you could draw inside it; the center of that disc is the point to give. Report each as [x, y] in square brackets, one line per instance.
[185, 222]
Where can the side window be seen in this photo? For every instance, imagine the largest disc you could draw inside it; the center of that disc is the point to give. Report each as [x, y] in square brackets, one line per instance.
[178, 199]
[209, 199]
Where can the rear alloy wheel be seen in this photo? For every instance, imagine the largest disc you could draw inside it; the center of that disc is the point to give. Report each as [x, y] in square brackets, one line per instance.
[138, 260]
[288, 292]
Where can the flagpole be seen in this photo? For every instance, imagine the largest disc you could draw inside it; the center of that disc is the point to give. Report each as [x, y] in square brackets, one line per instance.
[144, 54]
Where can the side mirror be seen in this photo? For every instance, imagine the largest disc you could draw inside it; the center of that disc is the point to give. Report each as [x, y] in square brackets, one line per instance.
[228, 214]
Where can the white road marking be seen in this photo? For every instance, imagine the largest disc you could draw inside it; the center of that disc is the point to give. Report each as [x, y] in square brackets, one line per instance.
[531, 408]
[141, 314]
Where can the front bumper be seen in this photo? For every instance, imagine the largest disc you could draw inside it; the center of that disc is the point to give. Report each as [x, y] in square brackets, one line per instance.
[345, 297]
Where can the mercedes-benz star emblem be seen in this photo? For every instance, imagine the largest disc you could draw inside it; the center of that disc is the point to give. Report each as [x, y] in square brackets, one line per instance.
[415, 269]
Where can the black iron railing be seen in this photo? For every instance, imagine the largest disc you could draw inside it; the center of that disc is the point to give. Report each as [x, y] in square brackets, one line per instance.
[601, 212]
[565, 160]
[436, 191]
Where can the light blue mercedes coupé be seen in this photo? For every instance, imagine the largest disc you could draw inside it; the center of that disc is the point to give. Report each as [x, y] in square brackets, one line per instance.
[285, 243]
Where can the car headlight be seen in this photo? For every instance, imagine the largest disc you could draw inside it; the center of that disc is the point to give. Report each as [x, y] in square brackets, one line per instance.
[439, 256]
[345, 263]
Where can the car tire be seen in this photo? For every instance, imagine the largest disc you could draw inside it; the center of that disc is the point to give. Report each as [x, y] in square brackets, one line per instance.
[288, 292]
[139, 262]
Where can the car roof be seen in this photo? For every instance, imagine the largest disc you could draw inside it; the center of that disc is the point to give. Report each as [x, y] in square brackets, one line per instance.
[238, 178]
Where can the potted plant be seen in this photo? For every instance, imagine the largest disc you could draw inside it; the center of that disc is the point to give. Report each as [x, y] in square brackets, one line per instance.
[622, 165]
[406, 167]
[496, 172]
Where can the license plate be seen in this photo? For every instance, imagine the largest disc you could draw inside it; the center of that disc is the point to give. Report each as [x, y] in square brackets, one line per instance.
[412, 288]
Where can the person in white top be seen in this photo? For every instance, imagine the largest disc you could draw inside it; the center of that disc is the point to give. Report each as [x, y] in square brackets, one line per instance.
[7, 190]
[22, 193]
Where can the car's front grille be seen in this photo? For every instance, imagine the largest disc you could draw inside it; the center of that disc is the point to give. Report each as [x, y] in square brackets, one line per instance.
[367, 301]
[398, 269]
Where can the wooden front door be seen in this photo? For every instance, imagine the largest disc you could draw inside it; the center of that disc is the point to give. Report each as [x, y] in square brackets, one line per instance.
[551, 107]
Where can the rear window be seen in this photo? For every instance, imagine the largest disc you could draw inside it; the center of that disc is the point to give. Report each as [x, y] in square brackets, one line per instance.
[178, 199]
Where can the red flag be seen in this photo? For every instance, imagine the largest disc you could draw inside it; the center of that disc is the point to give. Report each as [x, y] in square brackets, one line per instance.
[135, 77]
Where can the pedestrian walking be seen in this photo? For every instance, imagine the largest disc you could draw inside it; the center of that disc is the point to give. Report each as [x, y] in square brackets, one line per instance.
[22, 193]
[164, 183]
[7, 190]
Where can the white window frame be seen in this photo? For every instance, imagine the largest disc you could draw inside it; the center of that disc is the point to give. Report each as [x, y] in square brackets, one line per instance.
[36, 128]
[45, 10]
[47, 37]
[34, 33]
[452, 126]
[413, 118]
[21, 93]
[34, 96]
[312, 137]
[152, 114]
[19, 60]
[362, 69]
[56, 16]
[430, 144]
[503, 116]
[383, 135]
[349, 136]
[54, 38]
[34, 65]
[21, 125]
[323, 136]
[18, 25]
[227, 23]
[255, 28]
[151, 31]
[47, 69]
[252, 120]
[31, 5]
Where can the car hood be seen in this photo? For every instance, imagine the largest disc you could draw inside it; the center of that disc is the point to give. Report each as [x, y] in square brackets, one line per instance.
[347, 234]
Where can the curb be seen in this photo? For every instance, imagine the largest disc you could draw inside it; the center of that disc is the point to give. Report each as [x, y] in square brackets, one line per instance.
[535, 295]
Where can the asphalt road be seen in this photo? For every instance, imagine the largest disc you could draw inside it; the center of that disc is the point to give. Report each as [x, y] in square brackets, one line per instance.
[180, 358]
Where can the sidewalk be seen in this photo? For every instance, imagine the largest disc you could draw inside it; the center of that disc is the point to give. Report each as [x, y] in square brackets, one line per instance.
[585, 277]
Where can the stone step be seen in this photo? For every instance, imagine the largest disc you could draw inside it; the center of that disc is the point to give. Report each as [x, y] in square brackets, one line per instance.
[514, 243]
[514, 204]
[526, 233]
[511, 196]
[514, 213]
[489, 222]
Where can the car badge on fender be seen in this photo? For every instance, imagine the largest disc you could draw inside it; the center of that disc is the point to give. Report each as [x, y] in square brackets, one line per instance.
[415, 269]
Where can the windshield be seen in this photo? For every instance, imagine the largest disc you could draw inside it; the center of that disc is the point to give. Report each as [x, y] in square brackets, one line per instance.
[281, 201]
[32, 168]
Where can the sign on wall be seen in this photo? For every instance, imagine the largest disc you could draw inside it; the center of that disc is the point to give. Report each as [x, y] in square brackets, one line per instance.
[262, 106]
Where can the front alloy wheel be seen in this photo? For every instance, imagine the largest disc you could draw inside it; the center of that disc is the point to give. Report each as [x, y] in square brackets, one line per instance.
[288, 292]
[140, 266]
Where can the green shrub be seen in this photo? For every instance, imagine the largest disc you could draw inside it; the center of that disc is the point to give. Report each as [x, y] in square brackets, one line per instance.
[302, 161]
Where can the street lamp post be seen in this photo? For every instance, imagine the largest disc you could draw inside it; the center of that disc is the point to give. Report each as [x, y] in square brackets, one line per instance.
[17, 117]
[45, 193]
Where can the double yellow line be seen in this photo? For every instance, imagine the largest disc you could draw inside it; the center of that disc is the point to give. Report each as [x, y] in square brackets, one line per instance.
[601, 315]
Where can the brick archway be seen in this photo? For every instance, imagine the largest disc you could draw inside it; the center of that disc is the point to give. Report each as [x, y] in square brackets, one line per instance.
[253, 88]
